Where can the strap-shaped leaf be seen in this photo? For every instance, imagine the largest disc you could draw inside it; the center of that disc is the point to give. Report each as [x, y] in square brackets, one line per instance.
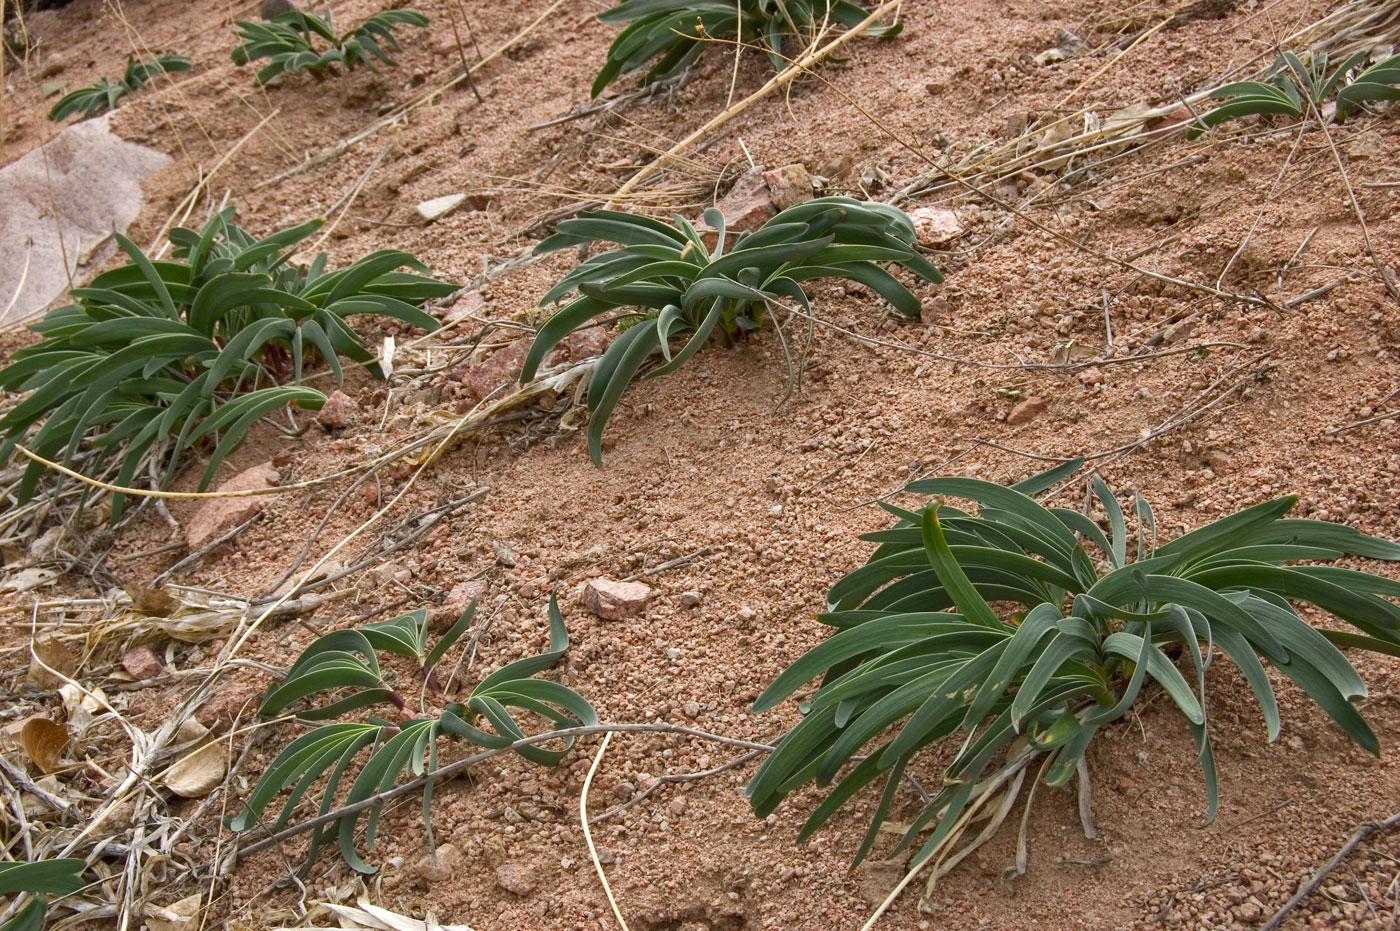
[406, 635]
[50, 877]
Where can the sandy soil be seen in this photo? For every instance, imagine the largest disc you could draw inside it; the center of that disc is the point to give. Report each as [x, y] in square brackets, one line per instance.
[708, 459]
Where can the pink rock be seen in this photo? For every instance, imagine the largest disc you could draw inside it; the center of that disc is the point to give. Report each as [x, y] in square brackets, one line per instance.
[1091, 376]
[218, 516]
[468, 302]
[340, 410]
[577, 346]
[142, 663]
[749, 204]
[231, 704]
[1026, 410]
[461, 595]
[500, 371]
[614, 601]
[936, 225]
[789, 185]
[935, 310]
[464, 593]
[516, 878]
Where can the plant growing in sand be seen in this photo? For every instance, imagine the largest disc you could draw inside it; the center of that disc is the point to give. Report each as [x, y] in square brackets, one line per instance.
[346, 661]
[1293, 87]
[104, 95]
[689, 290]
[1381, 81]
[288, 42]
[920, 657]
[159, 356]
[37, 879]
[676, 30]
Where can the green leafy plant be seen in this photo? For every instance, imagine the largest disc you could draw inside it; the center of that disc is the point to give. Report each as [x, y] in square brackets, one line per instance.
[676, 30]
[37, 879]
[345, 662]
[920, 655]
[104, 95]
[1291, 87]
[1381, 81]
[163, 355]
[689, 290]
[287, 41]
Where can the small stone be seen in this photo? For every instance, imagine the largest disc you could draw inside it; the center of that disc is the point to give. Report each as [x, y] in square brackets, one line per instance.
[936, 225]
[467, 304]
[217, 516]
[464, 593]
[273, 8]
[142, 663]
[439, 207]
[838, 168]
[678, 805]
[624, 790]
[1178, 331]
[1091, 376]
[934, 309]
[447, 863]
[53, 64]
[515, 878]
[512, 816]
[497, 375]
[789, 185]
[1180, 115]
[1026, 410]
[692, 709]
[691, 599]
[340, 410]
[615, 600]
[229, 706]
[748, 205]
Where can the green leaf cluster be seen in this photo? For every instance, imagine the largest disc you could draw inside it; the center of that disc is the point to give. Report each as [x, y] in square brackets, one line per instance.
[40, 878]
[920, 655]
[676, 30]
[104, 95]
[171, 353]
[346, 662]
[694, 292]
[287, 42]
[1292, 86]
[1381, 81]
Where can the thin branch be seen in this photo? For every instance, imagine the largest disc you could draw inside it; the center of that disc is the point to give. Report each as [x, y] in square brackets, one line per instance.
[1357, 839]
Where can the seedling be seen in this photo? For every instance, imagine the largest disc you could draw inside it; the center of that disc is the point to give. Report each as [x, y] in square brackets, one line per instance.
[159, 356]
[689, 290]
[920, 657]
[1381, 81]
[1293, 87]
[677, 30]
[104, 95]
[287, 41]
[345, 661]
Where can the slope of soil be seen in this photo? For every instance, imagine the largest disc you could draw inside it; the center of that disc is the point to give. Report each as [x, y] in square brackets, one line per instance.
[768, 497]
